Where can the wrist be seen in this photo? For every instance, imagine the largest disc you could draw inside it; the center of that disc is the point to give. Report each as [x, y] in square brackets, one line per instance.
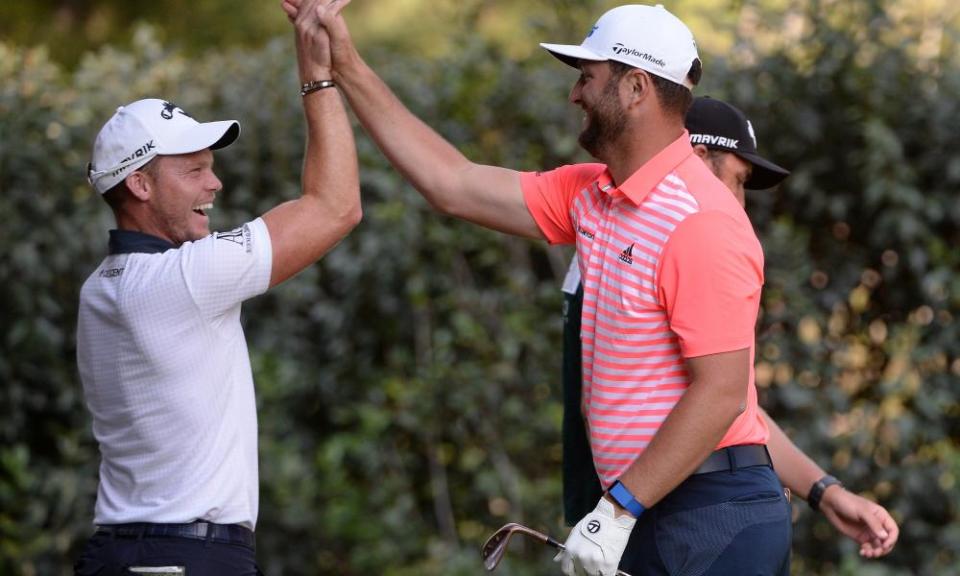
[308, 88]
[309, 74]
[829, 499]
[618, 510]
[347, 66]
[819, 489]
[623, 500]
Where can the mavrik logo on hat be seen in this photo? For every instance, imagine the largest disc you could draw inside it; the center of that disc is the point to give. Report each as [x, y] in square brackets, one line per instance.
[720, 126]
[142, 130]
[714, 141]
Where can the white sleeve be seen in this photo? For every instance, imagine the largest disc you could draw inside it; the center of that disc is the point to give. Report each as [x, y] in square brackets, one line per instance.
[226, 268]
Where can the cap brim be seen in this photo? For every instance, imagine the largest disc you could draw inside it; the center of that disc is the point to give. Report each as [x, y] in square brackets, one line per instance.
[572, 55]
[765, 173]
[212, 135]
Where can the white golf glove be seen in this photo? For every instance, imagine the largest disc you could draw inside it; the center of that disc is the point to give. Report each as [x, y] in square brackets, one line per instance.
[596, 543]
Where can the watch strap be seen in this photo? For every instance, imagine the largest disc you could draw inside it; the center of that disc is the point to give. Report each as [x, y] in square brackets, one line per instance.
[625, 499]
[818, 488]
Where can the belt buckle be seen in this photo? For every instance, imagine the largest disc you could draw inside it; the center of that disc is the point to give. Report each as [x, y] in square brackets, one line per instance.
[158, 570]
[201, 529]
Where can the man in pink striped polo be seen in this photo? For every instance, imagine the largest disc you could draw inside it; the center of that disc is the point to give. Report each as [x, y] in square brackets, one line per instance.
[724, 138]
[672, 273]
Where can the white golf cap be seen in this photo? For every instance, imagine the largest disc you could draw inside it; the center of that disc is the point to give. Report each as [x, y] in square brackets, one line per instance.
[646, 37]
[140, 131]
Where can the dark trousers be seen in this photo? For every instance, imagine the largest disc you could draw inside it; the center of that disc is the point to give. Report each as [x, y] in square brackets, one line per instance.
[109, 555]
[730, 522]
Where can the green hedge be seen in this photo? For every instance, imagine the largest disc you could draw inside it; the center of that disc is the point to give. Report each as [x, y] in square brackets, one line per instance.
[408, 385]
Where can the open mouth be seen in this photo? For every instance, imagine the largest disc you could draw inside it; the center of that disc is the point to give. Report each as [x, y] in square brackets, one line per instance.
[202, 208]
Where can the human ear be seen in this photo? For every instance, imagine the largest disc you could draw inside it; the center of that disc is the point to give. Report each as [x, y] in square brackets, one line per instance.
[139, 184]
[639, 85]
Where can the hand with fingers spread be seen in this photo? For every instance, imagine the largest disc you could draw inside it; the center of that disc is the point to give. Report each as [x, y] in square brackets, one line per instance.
[864, 521]
[596, 543]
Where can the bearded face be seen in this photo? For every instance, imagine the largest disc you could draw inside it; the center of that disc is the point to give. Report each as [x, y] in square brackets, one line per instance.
[605, 120]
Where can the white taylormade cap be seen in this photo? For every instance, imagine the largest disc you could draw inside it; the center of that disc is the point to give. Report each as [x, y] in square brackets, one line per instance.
[147, 128]
[646, 37]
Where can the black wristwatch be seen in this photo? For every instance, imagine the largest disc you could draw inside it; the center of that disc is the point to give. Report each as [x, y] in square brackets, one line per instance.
[818, 488]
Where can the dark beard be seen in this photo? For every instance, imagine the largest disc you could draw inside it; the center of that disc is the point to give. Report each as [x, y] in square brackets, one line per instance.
[605, 122]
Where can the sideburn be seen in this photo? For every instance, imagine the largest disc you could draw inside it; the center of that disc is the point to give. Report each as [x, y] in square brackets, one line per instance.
[607, 120]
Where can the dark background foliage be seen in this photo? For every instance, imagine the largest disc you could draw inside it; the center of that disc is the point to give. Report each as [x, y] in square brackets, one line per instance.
[408, 384]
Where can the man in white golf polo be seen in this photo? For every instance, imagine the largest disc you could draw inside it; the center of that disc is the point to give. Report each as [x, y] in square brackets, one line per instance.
[161, 351]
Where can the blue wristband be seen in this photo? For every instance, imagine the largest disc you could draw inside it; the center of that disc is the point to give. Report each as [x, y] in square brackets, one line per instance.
[625, 499]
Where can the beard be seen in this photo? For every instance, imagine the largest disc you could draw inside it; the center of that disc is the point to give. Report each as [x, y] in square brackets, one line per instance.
[605, 122]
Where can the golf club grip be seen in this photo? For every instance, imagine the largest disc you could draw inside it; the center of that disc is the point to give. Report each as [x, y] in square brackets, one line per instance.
[551, 542]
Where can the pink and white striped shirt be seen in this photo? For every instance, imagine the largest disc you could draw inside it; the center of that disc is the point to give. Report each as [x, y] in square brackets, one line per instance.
[671, 270]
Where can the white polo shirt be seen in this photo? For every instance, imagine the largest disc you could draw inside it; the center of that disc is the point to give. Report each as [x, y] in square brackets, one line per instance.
[166, 376]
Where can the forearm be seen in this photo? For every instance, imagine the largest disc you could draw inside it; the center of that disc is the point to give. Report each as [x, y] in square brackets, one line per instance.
[689, 434]
[330, 172]
[796, 470]
[422, 156]
[490, 196]
[304, 229]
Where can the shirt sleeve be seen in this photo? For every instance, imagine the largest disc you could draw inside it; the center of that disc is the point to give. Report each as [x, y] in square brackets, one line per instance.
[550, 198]
[226, 268]
[710, 280]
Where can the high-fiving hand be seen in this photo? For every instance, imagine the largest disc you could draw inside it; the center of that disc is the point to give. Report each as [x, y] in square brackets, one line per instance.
[311, 19]
[321, 29]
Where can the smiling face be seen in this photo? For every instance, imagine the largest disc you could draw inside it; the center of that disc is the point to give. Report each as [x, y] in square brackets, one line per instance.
[183, 189]
[597, 92]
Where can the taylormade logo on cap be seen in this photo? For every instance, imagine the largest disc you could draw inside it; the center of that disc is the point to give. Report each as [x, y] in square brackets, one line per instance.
[621, 50]
[148, 128]
[645, 37]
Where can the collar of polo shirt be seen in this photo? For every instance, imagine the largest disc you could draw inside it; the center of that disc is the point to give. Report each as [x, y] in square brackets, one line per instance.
[644, 180]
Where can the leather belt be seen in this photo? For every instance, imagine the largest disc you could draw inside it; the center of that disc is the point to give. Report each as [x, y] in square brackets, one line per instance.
[233, 533]
[733, 457]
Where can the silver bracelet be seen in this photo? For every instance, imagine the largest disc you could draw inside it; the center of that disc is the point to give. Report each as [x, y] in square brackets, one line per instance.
[315, 85]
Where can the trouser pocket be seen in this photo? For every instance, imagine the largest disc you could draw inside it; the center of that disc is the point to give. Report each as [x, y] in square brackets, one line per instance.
[691, 542]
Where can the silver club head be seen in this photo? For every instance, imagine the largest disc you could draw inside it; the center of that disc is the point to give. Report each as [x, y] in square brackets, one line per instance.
[496, 545]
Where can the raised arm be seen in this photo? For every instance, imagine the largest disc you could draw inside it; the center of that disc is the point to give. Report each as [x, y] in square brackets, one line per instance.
[487, 195]
[305, 229]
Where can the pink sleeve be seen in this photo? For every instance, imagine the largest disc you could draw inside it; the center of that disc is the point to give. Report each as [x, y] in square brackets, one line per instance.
[710, 279]
[550, 195]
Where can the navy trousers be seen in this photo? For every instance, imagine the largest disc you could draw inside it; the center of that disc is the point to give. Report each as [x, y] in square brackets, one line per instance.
[108, 555]
[730, 522]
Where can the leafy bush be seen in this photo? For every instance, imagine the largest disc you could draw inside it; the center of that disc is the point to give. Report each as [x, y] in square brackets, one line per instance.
[408, 385]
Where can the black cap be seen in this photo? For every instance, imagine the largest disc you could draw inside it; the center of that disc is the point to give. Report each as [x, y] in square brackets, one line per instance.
[720, 126]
